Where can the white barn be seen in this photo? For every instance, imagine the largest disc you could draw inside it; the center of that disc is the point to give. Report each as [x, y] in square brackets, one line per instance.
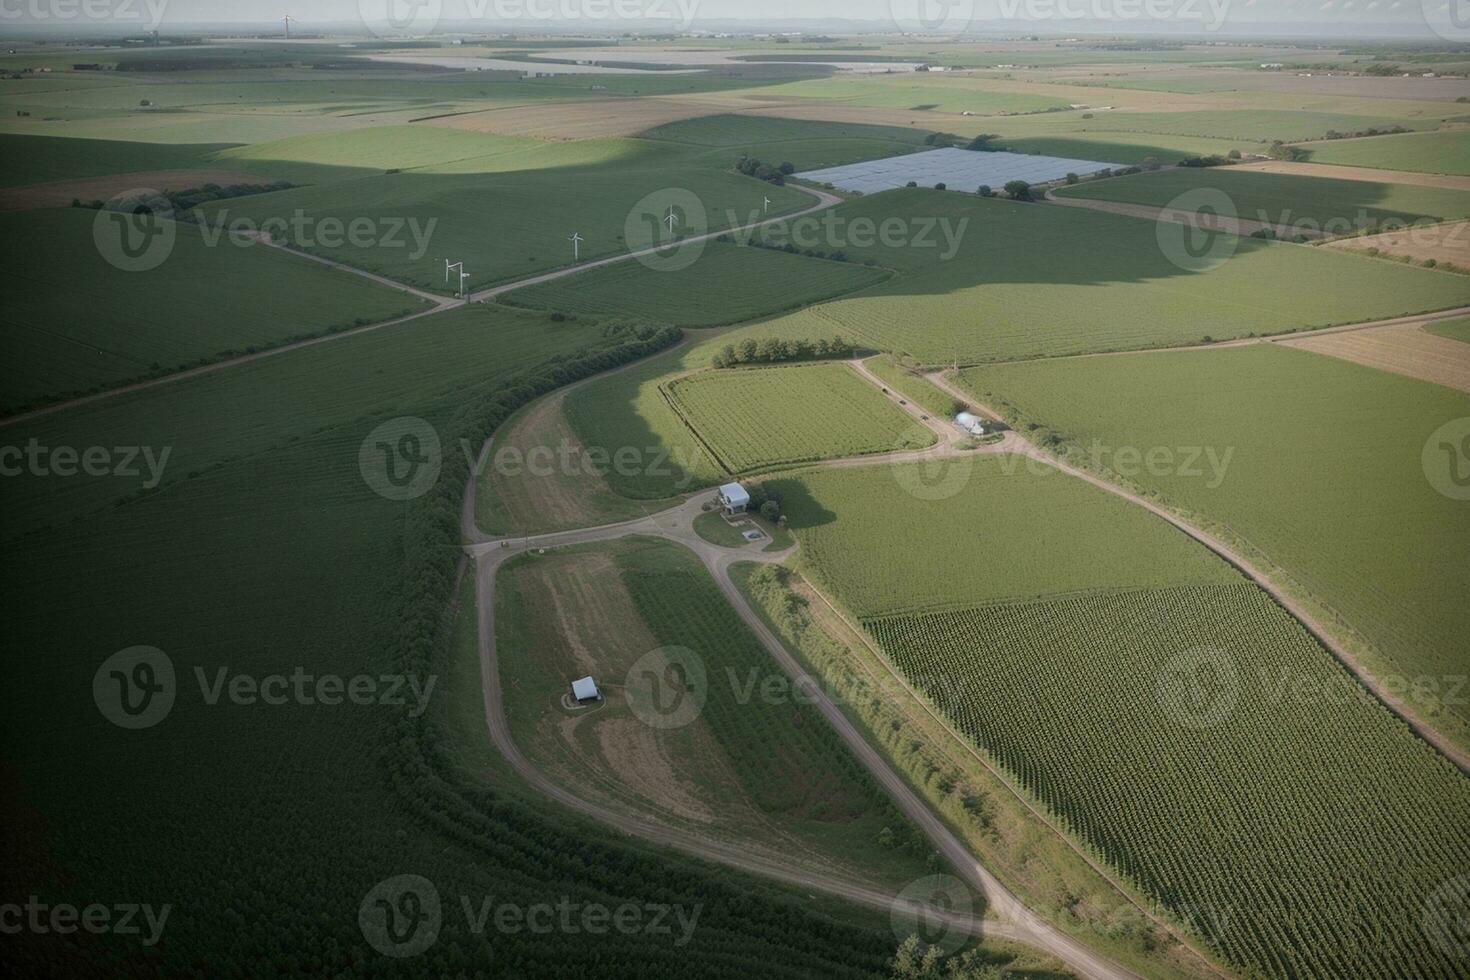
[734, 499]
[584, 690]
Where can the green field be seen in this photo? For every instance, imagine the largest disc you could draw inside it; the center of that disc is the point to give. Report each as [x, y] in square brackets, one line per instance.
[509, 214]
[985, 528]
[38, 159]
[806, 144]
[1436, 153]
[727, 283]
[276, 555]
[1106, 285]
[918, 93]
[1134, 714]
[1456, 329]
[767, 769]
[1325, 484]
[74, 322]
[911, 386]
[752, 419]
[1311, 203]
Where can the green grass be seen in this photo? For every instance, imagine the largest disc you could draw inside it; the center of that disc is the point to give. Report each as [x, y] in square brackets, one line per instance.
[716, 530]
[1437, 153]
[765, 766]
[1455, 329]
[279, 558]
[1132, 715]
[1325, 483]
[1312, 203]
[1106, 284]
[74, 322]
[727, 283]
[37, 159]
[752, 419]
[957, 532]
[509, 215]
[1124, 148]
[806, 144]
[909, 91]
[911, 386]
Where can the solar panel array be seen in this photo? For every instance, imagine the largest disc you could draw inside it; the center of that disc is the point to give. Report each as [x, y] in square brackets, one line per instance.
[961, 170]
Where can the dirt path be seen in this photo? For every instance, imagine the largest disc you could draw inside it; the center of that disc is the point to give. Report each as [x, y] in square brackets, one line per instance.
[1007, 916]
[824, 201]
[1202, 219]
[1313, 625]
[441, 303]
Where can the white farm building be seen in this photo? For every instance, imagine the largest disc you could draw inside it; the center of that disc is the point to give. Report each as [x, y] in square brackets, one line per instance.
[734, 499]
[584, 690]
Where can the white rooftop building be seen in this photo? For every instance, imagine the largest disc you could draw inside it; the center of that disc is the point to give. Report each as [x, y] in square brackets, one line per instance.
[973, 424]
[585, 689]
[734, 499]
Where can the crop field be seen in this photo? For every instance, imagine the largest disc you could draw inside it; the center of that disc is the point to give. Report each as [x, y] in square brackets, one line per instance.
[506, 224]
[911, 386]
[728, 283]
[276, 556]
[1456, 329]
[74, 322]
[1107, 285]
[977, 529]
[750, 768]
[1314, 202]
[755, 418]
[1083, 699]
[806, 144]
[901, 91]
[1436, 153]
[1329, 480]
[37, 159]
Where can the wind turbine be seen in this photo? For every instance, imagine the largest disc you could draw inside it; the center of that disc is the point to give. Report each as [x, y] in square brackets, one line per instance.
[767, 205]
[671, 219]
[576, 241]
[288, 27]
[462, 274]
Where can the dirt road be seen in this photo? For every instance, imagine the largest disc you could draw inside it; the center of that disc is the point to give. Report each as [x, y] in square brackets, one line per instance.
[1007, 916]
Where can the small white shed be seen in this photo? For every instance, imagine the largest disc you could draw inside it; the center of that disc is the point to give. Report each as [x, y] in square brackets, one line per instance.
[584, 690]
[967, 422]
[734, 499]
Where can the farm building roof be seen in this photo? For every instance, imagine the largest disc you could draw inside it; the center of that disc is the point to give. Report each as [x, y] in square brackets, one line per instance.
[734, 493]
[584, 689]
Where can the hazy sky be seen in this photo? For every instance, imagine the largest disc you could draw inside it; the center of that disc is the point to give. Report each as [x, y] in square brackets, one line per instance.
[615, 16]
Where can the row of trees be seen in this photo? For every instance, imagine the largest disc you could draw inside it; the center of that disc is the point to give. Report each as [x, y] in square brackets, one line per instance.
[751, 167]
[773, 350]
